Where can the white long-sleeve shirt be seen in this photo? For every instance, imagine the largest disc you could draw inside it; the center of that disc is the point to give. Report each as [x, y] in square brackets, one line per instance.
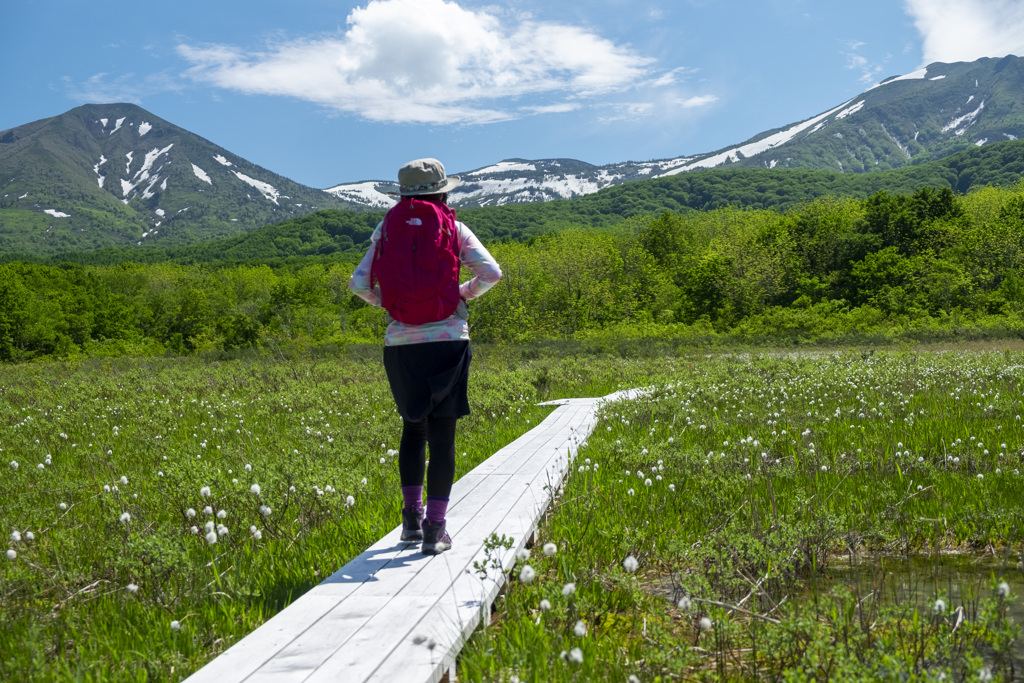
[473, 255]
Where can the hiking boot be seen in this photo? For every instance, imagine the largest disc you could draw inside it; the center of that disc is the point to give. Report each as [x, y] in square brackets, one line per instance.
[435, 539]
[412, 521]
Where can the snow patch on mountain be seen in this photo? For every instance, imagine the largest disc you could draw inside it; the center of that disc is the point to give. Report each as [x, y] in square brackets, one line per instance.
[117, 125]
[504, 167]
[96, 169]
[143, 173]
[752, 148]
[144, 128]
[57, 214]
[201, 174]
[849, 110]
[366, 193]
[222, 161]
[265, 189]
[960, 124]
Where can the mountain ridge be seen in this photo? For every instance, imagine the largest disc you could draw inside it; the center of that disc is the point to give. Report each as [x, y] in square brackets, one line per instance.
[117, 174]
[904, 120]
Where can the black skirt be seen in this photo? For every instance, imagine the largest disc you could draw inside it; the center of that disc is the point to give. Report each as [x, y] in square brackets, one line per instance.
[429, 380]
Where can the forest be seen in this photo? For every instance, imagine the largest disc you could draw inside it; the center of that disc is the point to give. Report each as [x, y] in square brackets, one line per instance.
[927, 265]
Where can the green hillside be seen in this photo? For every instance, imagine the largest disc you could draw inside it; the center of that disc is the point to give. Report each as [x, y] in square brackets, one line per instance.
[343, 236]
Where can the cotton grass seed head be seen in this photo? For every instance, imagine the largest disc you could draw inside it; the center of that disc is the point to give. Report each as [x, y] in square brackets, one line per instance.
[568, 589]
[15, 536]
[350, 501]
[580, 629]
[190, 513]
[255, 489]
[132, 588]
[1004, 589]
[576, 655]
[125, 517]
[940, 606]
[205, 492]
[175, 625]
[684, 603]
[550, 549]
[265, 510]
[207, 510]
[630, 564]
[705, 624]
[545, 605]
[12, 554]
[527, 574]
[523, 555]
[211, 537]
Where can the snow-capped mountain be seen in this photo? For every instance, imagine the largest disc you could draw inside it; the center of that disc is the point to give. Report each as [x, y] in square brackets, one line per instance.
[922, 116]
[116, 175]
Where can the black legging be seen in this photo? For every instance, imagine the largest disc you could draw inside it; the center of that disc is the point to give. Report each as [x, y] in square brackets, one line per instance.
[439, 432]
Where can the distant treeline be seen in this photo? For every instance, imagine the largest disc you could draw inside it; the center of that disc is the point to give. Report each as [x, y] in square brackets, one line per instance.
[832, 269]
[336, 236]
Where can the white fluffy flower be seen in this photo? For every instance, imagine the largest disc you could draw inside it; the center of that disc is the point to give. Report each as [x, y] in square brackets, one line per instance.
[211, 537]
[705, 624]
[576, 655]
[568, 589]
[132, 588]
[265, 510]
[255, 488]
[580, 629]
[527, 574]
[12, 554]
[190, 513]
[1004, 589]
[523, 555]
[684, 602]
[350, 501]
[545, 605]
[175, 625]
[630, 564]
[205, 492]
[125, 517]
[550, 549]
[940, 606]
[15, 536]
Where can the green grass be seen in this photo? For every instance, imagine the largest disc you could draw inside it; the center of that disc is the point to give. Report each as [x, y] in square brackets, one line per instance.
[310, 432]
[893, 473]
[736, 485]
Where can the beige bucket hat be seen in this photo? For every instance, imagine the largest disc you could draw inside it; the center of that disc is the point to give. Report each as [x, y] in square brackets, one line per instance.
[425, 176]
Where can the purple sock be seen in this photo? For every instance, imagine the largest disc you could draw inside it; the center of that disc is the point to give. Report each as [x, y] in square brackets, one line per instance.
[436, 509]
[413, 497]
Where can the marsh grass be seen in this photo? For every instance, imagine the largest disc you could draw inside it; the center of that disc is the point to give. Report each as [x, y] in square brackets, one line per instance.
[120, 581]
[738, 483]
[770, 476]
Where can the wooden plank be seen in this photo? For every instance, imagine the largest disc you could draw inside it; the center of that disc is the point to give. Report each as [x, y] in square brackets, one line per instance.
[361, 622]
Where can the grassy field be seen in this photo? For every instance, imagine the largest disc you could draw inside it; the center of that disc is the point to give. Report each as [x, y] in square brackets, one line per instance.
[738, 522]
[160, 509]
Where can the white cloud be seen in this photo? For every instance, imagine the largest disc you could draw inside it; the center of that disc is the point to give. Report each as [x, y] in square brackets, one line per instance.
[102, 87]
[965, 30]
[869, 71]
[697, 101]
[430, 61]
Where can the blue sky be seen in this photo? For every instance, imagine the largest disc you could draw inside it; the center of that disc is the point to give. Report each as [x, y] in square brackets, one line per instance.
[325, 92]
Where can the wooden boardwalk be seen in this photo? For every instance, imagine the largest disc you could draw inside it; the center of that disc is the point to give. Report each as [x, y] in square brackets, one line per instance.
[394, 614]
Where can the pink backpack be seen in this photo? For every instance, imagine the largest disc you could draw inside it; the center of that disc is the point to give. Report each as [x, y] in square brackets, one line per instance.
[417, 262]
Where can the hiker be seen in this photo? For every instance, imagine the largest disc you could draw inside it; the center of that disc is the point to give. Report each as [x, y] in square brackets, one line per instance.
[412, 270]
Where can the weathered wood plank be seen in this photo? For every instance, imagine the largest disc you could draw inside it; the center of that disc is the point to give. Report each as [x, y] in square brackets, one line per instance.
[395, 614]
